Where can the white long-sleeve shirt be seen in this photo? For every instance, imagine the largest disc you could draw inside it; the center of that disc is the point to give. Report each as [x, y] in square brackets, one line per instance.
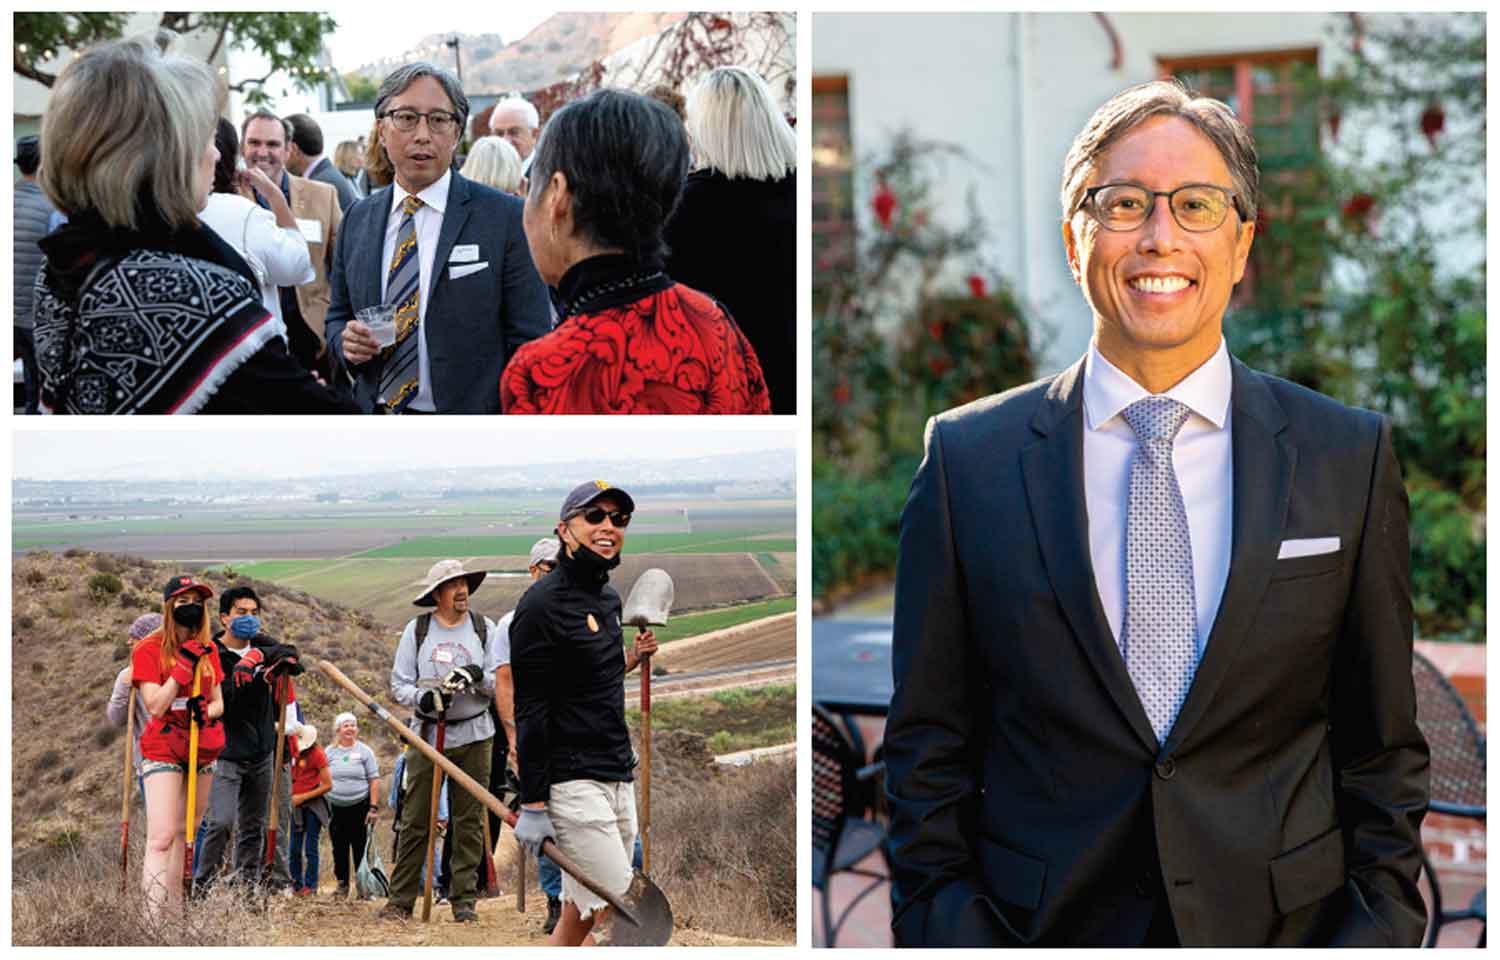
[252, 230]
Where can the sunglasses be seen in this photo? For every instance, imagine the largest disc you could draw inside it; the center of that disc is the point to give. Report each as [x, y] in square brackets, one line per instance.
[597, 514]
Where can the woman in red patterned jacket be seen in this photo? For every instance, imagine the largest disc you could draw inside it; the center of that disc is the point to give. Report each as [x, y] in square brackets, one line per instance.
[605, 176]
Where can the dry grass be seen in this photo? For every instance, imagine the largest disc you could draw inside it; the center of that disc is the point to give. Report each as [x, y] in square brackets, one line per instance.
[725, 852]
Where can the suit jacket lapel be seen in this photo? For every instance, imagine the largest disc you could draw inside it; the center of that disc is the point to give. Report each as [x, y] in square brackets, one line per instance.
[374, 248]
[1265, 461]
[454, 218]
[1052, 467]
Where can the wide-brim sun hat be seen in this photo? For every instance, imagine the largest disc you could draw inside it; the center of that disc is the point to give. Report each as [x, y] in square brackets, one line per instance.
[307, 735]
[440, 573]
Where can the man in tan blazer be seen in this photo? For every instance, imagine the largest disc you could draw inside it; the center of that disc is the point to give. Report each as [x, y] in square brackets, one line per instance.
[315, 206]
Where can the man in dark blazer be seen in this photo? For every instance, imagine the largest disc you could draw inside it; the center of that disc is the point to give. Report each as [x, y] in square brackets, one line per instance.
[305, 158]
[1153, 614]
[449, 254]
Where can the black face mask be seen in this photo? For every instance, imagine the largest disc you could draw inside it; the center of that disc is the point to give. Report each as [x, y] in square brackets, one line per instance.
[589, 564]
[188, 615]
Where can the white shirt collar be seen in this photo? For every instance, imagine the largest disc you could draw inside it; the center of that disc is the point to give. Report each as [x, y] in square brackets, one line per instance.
[1107, 389]
[434, 196]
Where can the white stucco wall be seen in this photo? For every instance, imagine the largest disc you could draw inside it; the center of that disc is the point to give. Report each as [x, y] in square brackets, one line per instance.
[1013, 89]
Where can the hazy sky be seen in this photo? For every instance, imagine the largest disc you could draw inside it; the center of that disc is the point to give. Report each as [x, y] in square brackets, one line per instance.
[363, 36]
[288, 449]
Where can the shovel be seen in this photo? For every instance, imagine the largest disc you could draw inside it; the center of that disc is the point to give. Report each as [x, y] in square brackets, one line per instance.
[275, 771]
[432, 817]
[641, 918]
[649, 604]
[491, 886]
[125, 793]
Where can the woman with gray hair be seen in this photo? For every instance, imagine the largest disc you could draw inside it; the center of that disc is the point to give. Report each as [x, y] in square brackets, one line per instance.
[128, 155]
[493, 162]
[739, 208]
[355, 798]
[606, 174]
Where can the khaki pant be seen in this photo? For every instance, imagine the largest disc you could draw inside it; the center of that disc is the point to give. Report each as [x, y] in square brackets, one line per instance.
[465, 831]
[595, 824]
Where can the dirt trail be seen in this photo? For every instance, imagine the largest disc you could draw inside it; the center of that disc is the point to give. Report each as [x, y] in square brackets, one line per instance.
[324, 922]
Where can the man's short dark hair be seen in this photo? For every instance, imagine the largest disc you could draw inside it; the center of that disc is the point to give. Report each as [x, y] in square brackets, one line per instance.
[306, 134]
[29, 154]
[228, 597]
[625, 157]
[403, 77]
[286, 128]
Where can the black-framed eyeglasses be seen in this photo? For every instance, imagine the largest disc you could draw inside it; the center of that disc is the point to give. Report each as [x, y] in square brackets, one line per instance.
[438, 121]
[1197, 207]
[596, 515]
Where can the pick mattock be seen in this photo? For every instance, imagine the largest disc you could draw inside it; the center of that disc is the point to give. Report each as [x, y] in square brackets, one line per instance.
[641, 918]
[649, 604]
[432, 818]
[125, 793]
[192, 783]
[277, 691]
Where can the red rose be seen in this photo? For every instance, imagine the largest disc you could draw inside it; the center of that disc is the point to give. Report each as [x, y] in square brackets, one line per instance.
[1358, 206]
[841, 394]
[938, 366]
[884, 204]
[1432, 123]
[935, 330]
[977, 286]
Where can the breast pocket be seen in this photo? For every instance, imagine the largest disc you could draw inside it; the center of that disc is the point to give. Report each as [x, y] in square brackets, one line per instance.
[1317, 565]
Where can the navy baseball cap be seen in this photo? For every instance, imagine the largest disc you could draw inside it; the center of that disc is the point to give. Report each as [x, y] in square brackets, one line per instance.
[586, 493]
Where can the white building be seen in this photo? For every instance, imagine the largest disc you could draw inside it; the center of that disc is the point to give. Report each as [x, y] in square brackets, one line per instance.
[1013, 89]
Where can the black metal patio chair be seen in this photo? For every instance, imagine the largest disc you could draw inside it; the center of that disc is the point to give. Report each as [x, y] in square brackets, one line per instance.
[844, 795]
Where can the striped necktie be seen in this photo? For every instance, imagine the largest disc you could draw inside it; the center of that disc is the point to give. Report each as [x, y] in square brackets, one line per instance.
[398, 377]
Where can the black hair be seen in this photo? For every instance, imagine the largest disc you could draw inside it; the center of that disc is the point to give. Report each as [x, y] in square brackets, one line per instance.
[306, 134]
[29, 154]
[228, 143]
[625, 157]
[228, 597]
[286, 128]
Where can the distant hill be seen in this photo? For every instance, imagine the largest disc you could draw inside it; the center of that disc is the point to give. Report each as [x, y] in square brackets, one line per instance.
[558, 48]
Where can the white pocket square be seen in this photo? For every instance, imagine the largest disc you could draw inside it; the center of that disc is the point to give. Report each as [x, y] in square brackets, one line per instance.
[458, 273]
[1310, 547]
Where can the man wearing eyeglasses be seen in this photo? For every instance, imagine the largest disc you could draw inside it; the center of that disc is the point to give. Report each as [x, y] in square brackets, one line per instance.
[569, 663]
[1153, 625]
[447, 255]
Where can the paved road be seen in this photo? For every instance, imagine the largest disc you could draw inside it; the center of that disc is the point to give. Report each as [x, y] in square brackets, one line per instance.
[851, 663]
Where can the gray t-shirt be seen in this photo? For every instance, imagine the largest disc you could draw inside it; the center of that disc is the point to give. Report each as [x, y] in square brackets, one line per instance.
[445, 649]
[352, 768]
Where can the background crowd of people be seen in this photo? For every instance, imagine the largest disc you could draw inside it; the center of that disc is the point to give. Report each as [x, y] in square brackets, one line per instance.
[622, 257]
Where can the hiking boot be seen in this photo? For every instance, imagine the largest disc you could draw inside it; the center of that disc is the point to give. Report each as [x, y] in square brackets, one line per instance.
[341, 891]
[394, 911]
[440, 896]
[554, 914]
[463, 914]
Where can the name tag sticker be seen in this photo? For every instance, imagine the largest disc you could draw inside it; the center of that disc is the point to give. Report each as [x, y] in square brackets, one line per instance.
[312, 230]
[443, 656]
[464, 253]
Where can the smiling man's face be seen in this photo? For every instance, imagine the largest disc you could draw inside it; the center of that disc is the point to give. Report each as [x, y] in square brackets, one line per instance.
[604, 538]
[1159, 290]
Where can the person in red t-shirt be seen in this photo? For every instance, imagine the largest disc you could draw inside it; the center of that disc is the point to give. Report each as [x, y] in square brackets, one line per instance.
[311, 779]
[163, 667]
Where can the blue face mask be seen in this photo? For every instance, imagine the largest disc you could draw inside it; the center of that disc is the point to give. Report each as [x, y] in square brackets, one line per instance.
[245, 626]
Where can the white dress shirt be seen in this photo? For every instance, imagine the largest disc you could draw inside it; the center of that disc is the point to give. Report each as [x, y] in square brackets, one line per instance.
[1202, 457]
[278, 255]
[429, 223]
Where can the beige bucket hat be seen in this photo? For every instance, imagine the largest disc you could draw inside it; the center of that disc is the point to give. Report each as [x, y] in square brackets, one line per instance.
[441, 573]
[307, 735]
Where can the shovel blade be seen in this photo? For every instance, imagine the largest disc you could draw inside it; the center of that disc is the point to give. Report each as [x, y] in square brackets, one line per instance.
[650, 907]
[650, 600]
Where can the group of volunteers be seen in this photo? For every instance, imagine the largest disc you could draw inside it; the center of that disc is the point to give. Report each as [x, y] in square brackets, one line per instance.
[531, 704]
[621, 256]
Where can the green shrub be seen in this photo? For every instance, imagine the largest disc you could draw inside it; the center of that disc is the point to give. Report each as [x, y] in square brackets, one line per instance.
[102, 586]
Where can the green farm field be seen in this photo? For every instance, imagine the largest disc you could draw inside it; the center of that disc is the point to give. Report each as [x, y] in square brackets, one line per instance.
[636, 543]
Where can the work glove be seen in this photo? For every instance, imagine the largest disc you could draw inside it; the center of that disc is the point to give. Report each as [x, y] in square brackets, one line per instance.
[532, 827]
[510, 791]
[434, 700]
[284, 660]
[195, 707]
[249, 667]
[188, 655]
[463, 679]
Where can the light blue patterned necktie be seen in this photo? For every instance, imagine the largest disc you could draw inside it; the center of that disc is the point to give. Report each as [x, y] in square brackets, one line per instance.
[1159, 640]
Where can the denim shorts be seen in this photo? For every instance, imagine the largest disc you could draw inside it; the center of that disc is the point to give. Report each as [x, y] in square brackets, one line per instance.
[148, 767]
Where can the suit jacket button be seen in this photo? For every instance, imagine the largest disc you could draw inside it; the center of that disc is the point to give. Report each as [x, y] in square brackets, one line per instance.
[1166, 769]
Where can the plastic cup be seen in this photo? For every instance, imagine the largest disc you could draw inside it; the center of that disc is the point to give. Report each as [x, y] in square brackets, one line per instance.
[382, 323]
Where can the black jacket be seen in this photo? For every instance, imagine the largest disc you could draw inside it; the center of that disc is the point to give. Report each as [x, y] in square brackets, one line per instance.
[1030, 801]
[736, 240]
[567, 656]
[249, 711]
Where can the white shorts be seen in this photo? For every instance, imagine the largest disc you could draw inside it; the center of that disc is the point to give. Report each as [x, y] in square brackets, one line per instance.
[595, 824]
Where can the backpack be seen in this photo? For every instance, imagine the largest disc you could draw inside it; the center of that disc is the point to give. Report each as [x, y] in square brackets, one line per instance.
[424, 622]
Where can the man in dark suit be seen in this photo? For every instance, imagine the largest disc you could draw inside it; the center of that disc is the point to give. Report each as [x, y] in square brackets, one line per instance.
[305, 158]
[447, 253]
[1153, 614]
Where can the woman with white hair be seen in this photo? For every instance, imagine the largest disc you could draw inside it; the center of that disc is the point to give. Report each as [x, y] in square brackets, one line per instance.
[354, 800]
[495, 163]
[738, 208]
[128, 155]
